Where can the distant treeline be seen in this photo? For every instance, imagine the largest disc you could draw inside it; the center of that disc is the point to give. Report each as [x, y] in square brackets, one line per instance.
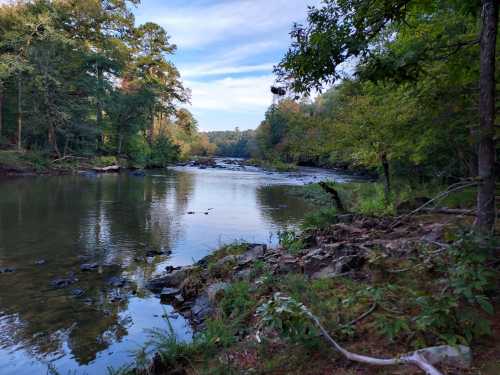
[233, 143]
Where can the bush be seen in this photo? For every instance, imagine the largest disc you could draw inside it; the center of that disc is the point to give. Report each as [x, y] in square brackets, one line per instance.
[163, 152]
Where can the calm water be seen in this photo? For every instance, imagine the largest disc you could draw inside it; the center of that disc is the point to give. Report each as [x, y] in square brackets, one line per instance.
[114, 220]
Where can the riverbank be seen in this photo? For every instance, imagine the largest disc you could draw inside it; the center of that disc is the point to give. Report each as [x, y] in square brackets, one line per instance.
[381, 286]
[27, 164]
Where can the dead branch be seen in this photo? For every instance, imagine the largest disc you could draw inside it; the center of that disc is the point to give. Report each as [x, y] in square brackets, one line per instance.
[453, 188]
[362, 316]
[68, 157]
[425, 359]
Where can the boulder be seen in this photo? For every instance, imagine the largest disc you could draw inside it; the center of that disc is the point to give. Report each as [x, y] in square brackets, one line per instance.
[288, 264]
[202, 308]
[172, 279]
[216, 291]
[254, 252]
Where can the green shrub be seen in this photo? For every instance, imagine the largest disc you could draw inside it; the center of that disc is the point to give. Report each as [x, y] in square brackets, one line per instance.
[320, 219]
[290, 241]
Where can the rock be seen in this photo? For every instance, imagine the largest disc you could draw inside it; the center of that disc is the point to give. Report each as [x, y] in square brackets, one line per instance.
[345, 218]
[458, 357]
[117, 281]
[179, 298]
[153, 253]
[202, 308]
[243, 275]
[172, 279]
[215, 291]
[167, 294]
[40, 262]
[63, 282]
[254, 252]
[138, 173]
[77, 292]
[191, 213]
[7, 270]
[88, 267]
[288, 264]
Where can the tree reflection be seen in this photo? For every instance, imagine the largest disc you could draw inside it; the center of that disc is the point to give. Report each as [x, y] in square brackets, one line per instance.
[67, 221]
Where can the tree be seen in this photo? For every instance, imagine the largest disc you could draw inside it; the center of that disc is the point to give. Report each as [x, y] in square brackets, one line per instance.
[486, 195]
[360, 30]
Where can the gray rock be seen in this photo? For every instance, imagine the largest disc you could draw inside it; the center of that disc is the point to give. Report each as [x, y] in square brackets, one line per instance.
[459, 356]
[117, 281]
[77, 292]
[202, 308]
[215, 291]
[243, 275]
[167, 294]
[253, 253]
[288, 264]
[89, 267]
[40, 262]
[63, 282]
[7, 270]
[172, 280]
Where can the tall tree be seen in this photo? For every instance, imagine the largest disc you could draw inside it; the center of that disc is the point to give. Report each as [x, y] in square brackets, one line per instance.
[343, 31]
[486, 195]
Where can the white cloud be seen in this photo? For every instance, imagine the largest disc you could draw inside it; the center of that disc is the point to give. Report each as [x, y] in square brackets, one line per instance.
[247, 94]
[198, 26]
[210, 70]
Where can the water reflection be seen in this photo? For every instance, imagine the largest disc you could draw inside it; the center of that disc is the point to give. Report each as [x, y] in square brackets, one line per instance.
[49, 227]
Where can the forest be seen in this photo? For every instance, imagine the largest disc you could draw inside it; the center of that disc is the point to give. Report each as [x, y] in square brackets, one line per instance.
[80, 79]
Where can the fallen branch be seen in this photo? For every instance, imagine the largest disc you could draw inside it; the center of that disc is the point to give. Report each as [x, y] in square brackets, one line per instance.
[362, 316]
[425, 359]
[68, 157]
[112, 168]
[453, 188]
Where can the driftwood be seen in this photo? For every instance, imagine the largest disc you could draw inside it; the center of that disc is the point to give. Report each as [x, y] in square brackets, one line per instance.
[425, 359]
[334, 194]
[110, 169]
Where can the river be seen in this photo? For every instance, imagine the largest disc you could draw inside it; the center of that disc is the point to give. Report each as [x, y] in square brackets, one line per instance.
[50, 226]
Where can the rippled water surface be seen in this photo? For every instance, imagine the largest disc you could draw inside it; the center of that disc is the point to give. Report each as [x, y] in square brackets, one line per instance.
[50, 226]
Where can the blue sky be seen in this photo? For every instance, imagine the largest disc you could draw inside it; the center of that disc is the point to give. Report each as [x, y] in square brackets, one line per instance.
[226, 52]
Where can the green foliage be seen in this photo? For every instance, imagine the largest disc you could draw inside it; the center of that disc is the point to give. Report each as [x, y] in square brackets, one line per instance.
[163, 152]
[320, 219]
[287, 316]
[290, 241]
[237, 301]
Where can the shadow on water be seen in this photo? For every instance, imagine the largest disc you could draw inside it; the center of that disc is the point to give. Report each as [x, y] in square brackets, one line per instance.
[50, 227]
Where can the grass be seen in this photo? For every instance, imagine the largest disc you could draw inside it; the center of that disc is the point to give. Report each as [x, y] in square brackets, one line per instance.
[368, 198]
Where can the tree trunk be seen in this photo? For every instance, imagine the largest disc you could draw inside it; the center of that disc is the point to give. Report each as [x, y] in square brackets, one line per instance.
[19, 114]
[99, 104]
[387, 176]
[1, 109]
[120, 143]
[485, 220]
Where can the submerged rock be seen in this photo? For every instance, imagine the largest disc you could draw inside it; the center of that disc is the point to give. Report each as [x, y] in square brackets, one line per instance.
[117, 281]
[89, 267]
[63, 282]
[7, 270]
